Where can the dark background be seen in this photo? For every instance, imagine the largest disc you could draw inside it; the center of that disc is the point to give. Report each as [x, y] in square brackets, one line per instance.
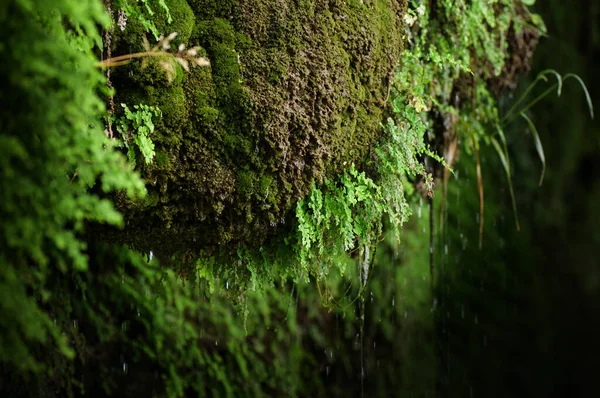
[535, 292]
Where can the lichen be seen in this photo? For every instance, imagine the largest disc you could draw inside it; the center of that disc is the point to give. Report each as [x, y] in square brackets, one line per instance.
[295, 92]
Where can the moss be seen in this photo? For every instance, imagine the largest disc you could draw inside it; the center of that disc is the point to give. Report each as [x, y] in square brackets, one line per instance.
[182, 20]
[245, 183]
[295, 92]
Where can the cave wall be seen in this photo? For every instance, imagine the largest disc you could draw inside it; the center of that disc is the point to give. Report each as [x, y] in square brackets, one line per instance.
[295, 92]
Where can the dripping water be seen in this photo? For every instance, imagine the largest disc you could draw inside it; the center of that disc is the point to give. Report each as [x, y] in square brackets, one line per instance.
[364, 272]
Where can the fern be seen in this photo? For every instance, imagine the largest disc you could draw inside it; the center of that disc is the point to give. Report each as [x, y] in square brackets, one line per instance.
[136, 127]
[52, 150]
[143, 12]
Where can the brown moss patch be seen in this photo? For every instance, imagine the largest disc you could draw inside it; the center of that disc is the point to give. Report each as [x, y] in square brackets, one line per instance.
[295, 92]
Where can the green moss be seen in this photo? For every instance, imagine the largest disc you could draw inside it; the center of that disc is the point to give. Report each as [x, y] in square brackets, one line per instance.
[162, 160]
[295, 92]
[245, 183]
[182, 20]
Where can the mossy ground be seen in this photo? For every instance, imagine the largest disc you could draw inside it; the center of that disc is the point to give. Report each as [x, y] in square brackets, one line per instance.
[295, 92]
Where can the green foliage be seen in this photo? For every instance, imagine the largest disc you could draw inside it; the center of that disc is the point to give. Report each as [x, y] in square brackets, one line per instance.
[237, 146]
[142, 11]
[344, 214]
[136, 127]
[55, 160]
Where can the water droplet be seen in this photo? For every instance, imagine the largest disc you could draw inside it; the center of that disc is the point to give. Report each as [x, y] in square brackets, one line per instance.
[393, 301]
[476, 320]
[216, 342]
[327, 371]
[125, 367]
[75, 323]
[227, 285]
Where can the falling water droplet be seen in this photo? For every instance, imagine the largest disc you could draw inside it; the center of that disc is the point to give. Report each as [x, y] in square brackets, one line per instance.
[476, 320]
[434, 305]
[216, 342]
[327, 371]
[75, 323]
[125, 367]
[227, 285]
[151, 255]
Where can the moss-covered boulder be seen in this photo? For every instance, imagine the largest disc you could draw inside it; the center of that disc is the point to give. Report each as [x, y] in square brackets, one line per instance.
[295, 92]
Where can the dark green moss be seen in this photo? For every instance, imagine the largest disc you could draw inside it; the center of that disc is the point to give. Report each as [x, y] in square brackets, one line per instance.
[295, 92]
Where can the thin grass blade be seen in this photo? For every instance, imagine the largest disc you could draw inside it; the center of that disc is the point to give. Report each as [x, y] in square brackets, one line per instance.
[538, 145]
[503, 154]
[585, 90]
[481, 197]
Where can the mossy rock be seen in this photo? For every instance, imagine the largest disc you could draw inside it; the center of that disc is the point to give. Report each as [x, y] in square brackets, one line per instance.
[295, 92]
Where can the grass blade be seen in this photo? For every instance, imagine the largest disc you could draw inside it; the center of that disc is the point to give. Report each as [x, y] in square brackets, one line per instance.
[481, 199]
[539, 77]
[538, 145]
[503, 154]
[585, 90]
